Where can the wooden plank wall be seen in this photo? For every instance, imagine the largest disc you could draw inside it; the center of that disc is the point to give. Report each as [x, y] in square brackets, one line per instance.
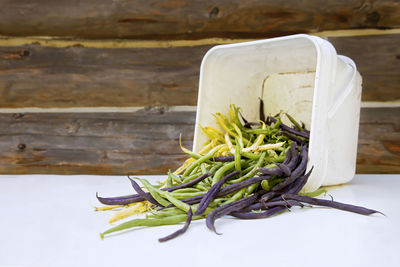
[187, 19]
[107, 88]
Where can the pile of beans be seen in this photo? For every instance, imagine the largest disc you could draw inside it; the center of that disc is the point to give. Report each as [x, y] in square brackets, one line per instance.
[250, 170]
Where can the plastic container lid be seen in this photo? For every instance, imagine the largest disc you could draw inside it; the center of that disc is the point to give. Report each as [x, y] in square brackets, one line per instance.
[299, 74]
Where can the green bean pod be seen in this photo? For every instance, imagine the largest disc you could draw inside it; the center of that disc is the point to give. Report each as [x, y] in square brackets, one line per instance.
[265, 185]
[251, 189]
[203, 168]
[168, 195]
[294, 122]
[173, 211]
[252, 156]
[201, 187]
[191, 177]
[169, 181]
[221, 171]
[238, 195]
[215, 168]
[187, 195]
[149, 222]
[315, 193]
[186, 190]
[198, 162]
[174, 177]
[253, 171]
[154, 192]
[237, 158]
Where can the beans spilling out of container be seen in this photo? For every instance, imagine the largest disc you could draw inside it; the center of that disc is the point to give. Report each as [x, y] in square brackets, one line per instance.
[250, 170]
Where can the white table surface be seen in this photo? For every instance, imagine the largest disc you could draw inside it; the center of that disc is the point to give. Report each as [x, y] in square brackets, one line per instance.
[48, 220]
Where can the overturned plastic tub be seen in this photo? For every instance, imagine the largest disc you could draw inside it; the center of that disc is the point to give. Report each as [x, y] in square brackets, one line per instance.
[298, 74]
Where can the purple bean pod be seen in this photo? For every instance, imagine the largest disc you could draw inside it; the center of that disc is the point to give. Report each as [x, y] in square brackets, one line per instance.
[262, 114]
[223, 158]
[294, 157]
[271, 171]
[288, 156]
[300, 169]
[285, 169]
[249, 124]
[124, 200]
[143, 194]
[258, 215]
[293, 137]
[285, 203]
[212, 193]
[299, 183]
[267, 197]
[227, 209]
[235, 187]
[180, 231]
[227, 190]
[291, 130]
[243, 118]
[254, 206]
[330, 203]
[270, 204]
[293, 188]
[279, 171]
[304, 128]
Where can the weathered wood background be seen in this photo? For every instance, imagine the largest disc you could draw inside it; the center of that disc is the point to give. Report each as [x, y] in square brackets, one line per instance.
[191, 19]
[141, 60]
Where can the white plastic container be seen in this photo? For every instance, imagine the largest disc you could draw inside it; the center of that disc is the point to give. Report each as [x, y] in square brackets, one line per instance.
[298, 74]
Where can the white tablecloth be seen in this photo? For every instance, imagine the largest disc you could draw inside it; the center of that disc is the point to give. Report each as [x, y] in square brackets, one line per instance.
[48, 220]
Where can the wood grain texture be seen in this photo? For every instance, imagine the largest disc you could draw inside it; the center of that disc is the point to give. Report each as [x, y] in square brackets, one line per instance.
[45, 77]
[146, 142]
[378, 60]
[99, 143]
[379, 141]
[38, 76]
[184, 19]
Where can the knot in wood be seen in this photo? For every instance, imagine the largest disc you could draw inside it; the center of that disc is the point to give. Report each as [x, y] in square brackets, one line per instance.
[214, 12]
[21, 146]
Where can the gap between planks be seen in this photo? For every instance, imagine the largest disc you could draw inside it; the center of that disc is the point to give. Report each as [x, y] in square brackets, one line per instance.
[98, 109]
[124, 43]
[364, 104]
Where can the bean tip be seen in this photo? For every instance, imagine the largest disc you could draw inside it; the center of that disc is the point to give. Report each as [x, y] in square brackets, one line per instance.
[380, 213]
[212, 228]
[101, 236]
